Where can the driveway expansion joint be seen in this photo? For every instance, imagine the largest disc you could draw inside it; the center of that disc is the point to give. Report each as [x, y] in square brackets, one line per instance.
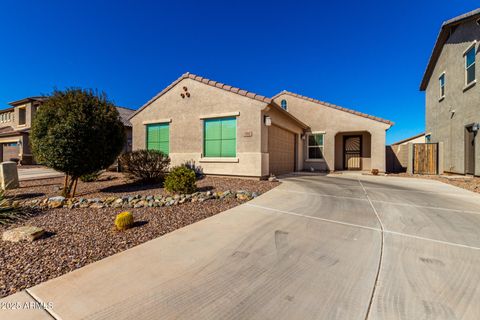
[382, 248]
[27, 291]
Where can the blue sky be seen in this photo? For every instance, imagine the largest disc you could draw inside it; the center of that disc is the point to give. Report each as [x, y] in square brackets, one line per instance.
[366, 55]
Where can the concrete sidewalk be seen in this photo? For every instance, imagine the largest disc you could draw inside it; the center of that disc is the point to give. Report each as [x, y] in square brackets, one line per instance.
[347, 247]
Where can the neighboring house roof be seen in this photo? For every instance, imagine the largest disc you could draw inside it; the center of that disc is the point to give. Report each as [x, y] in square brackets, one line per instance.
[408, 139]
[125, 114]
[323, 103]
[7, 110]
[26, 100]
[6, 129]
[209, 82]
[442, 38]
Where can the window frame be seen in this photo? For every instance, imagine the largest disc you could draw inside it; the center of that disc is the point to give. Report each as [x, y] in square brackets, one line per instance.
[473, 47]
[24, 111]
[442, 88]
[322, 147]
[282, 103]
[204, 156]
[146, 135]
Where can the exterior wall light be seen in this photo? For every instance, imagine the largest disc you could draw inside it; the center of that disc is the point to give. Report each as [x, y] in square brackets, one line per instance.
[268, 121]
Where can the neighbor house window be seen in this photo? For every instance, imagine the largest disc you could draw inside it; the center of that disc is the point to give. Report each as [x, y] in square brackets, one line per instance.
[22, 116]
[470, 65]
[283, 103]
[220, 137]
[158, 137]
[315, 146]
[442, 85]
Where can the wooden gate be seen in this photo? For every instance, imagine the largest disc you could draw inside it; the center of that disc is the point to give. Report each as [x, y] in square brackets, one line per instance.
[425, 158]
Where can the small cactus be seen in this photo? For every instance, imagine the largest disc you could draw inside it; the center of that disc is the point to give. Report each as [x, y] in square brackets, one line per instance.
[124, 220]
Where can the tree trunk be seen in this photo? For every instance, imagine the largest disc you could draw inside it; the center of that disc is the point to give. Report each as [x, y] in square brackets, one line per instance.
[65, 190]
[74, 188]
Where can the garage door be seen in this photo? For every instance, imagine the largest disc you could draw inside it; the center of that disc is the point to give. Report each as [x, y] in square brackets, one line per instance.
[10, 151]
[281, 147]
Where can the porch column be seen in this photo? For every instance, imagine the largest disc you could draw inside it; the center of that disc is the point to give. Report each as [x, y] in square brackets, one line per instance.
[378, 150]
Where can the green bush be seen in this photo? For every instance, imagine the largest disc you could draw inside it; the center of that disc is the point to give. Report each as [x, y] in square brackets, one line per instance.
[92, 177]
[181, 180]
[145, 165]
[77, 132]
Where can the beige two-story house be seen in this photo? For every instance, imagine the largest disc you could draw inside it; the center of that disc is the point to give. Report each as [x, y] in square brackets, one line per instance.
[453, 95]
[16, 122]
[230, 131]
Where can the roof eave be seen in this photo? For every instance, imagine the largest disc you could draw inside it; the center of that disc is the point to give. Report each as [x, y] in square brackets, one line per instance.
[330, 105]
[206, 81]
[439, 43]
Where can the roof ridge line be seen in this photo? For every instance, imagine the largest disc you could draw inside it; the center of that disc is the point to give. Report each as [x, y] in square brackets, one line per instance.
[212, 83]
[334, 106]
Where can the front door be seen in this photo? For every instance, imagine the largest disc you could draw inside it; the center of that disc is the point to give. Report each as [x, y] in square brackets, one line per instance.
[352, 152]
[469, 150]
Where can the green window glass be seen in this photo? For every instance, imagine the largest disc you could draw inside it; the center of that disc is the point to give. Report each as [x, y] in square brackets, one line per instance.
[158, 137]
[220, 137]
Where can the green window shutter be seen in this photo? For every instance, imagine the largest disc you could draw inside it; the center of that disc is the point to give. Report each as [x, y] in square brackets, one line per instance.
[158, 137]
[220, 137]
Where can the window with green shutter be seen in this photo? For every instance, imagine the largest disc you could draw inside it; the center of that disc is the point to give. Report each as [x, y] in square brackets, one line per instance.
[220, 137]
[158, 137]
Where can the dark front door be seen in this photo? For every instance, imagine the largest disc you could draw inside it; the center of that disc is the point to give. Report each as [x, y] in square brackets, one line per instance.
[352, 151]
[469, 150]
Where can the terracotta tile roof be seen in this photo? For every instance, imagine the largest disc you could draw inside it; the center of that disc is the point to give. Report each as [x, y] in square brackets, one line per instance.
[409, 138]
[330, 105]
[125, 114]
[442, 38]
[209, 82]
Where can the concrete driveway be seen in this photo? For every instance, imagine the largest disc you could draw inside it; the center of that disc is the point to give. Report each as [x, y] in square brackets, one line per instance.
[37, 172]
[332, 247]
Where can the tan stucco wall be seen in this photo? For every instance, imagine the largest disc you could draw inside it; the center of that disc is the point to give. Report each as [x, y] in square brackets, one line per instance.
[331, 121]
[440, 123]
[186, 127]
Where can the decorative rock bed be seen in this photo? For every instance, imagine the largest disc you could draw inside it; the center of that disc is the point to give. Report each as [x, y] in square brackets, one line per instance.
[134, 201]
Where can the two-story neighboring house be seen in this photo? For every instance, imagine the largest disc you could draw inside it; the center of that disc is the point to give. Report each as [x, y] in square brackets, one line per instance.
[16, 122]
[453, 95]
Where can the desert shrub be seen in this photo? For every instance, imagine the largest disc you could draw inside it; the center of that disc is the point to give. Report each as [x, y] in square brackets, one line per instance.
[193, 166]
[8, 212]
[124, 220]
[181, 180]
[91, 177]
[145, 165]
[77, 132]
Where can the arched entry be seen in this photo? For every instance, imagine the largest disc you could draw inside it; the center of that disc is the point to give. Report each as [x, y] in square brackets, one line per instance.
[353, 150]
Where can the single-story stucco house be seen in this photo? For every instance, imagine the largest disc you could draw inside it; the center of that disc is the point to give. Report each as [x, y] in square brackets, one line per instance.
[230, 131]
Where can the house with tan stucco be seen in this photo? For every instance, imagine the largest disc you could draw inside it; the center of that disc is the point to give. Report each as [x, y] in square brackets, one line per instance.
[230, 131]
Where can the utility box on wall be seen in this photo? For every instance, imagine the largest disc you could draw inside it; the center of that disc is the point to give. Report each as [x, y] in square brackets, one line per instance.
[8, 175]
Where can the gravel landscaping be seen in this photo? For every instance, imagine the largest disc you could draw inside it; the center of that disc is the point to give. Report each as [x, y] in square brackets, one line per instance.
[469, 183]
[76, 237]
